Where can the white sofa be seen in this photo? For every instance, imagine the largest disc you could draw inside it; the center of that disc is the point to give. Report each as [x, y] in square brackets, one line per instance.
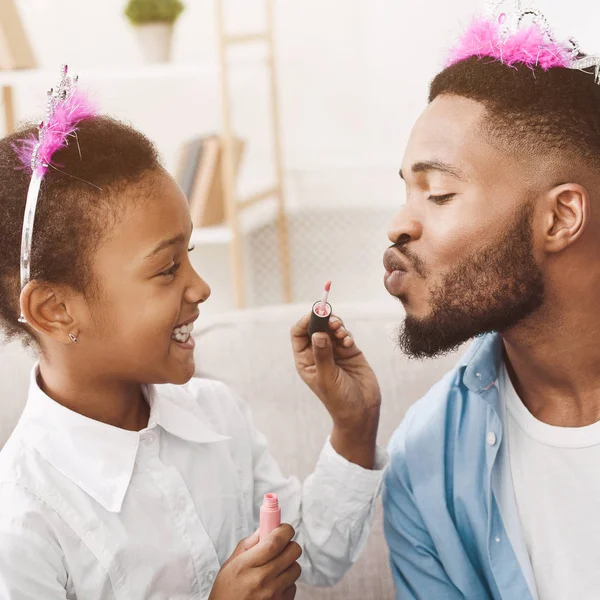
[250, 351]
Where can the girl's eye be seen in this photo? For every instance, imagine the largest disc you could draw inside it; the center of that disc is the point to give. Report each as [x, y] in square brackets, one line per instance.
[441, 199]
[170, 272]
[192, 248]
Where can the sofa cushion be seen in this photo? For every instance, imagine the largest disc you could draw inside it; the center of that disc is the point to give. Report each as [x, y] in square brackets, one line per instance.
[15, 368]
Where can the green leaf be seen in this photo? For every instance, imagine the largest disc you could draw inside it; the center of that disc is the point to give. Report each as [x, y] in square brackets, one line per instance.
[153, 11]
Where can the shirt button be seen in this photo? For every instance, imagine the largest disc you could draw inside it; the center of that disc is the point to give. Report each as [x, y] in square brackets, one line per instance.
[491, 438]
[149, 438]
[210, 576]
[497, 539]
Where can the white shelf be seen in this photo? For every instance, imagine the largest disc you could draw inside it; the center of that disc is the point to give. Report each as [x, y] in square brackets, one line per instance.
[219, 234]
[160, 71]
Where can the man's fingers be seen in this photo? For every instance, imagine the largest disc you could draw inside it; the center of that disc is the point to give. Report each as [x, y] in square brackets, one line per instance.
[270, 547]
[335, 322]
[348, 341]
[344, 336]
[321, 347]
[340, 333]
[299, 334]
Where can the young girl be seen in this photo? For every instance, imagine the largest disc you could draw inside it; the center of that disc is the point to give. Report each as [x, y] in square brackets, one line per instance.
[126, 478]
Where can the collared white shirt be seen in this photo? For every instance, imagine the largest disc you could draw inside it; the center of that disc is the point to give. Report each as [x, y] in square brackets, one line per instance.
[93, 512]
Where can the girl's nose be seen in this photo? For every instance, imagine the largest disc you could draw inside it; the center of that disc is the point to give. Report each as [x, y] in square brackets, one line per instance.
[198, 291]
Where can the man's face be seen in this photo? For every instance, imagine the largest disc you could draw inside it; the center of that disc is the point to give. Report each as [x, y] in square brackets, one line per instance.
[462, 260]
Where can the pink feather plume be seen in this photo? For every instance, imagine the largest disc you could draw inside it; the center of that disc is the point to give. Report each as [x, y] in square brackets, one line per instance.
[63, 124]
[527, 46]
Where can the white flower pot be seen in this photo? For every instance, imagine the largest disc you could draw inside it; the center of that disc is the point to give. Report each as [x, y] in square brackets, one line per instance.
[155, 41]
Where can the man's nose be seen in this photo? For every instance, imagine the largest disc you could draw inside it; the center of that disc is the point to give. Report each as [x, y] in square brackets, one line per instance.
[405, 227]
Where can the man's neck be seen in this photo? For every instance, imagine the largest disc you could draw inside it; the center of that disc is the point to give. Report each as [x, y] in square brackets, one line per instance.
[117, 403]
[554, 364]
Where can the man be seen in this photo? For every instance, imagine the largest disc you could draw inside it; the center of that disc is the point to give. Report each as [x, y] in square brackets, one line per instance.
[493, 489]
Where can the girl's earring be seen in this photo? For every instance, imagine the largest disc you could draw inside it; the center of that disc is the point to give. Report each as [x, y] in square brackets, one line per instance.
[73, 338]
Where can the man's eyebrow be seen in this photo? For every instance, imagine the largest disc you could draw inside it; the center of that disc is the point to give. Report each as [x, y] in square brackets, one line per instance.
[178, 239]
[427, 166]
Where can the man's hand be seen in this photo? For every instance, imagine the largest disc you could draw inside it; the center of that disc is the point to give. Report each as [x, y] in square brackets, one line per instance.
[265, 570]
[338, 373]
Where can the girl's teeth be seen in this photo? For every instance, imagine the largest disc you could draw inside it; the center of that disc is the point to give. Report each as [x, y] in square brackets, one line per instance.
[181, 334]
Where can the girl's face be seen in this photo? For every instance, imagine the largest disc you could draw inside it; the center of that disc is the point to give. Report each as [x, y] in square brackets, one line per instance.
[149, 293]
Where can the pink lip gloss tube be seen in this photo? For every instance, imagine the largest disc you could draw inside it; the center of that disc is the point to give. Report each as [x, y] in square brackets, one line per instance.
[270, 515]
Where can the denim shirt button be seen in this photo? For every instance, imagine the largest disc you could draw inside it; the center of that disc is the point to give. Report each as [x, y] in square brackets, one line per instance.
[491, 438]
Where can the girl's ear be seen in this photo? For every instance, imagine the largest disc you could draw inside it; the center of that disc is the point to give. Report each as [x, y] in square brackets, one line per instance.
[47, 310]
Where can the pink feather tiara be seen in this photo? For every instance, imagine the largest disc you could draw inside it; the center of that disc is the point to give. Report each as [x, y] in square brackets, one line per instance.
[67, 106]
[494, 36]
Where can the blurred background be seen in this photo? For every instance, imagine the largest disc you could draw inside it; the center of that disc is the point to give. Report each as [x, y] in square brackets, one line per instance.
[315, 100]
[351, 78]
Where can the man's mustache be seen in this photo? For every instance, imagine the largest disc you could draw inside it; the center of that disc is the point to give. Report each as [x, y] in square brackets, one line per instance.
[416, 263]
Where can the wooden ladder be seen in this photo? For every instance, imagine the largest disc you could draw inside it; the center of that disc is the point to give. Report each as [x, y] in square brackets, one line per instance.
[234, 206]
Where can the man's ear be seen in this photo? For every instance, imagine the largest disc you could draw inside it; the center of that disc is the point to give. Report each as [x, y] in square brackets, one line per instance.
[49, 310]
[566, 215]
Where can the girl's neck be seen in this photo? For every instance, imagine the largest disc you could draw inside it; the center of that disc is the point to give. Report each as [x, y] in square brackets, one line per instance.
[117, 403]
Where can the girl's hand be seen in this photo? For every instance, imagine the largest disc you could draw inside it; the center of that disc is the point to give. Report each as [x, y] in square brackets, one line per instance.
[338, 373]
[260, 571]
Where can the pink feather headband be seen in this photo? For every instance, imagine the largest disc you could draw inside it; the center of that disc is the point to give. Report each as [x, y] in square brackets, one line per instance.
[533, 46]
[67, 107]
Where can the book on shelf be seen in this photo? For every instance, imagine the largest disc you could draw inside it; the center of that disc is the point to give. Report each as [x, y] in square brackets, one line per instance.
[15, 49]
[188, 164]
[200, 176]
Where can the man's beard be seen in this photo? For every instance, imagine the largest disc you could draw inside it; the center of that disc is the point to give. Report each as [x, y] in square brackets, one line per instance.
[491, 290]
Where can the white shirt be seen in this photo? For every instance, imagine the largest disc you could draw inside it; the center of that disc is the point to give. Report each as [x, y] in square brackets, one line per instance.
[556, 476]
[94, 512]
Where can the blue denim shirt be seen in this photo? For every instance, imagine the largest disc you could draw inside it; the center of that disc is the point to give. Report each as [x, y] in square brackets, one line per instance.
[451, 518]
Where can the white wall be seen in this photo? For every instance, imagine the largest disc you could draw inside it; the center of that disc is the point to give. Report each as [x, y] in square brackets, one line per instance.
[353, 73]
[353, 77]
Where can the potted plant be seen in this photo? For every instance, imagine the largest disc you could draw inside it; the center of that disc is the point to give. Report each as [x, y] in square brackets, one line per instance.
[154, 21]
